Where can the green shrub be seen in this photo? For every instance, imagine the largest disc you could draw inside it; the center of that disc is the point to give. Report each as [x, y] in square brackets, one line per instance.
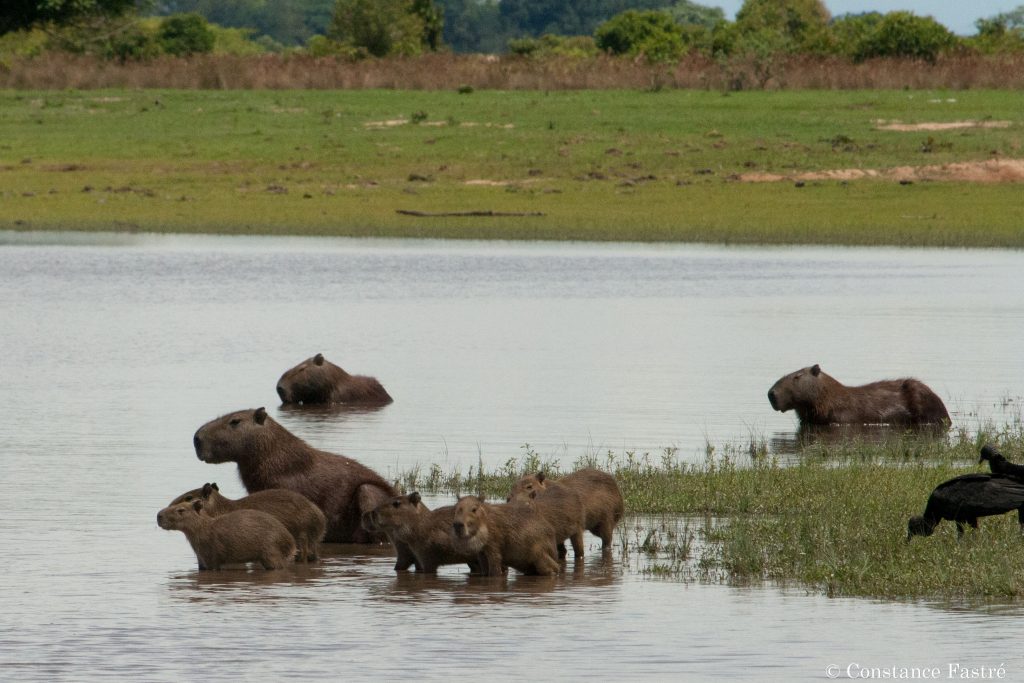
[903, 34]
[652, 33]
[185, 34]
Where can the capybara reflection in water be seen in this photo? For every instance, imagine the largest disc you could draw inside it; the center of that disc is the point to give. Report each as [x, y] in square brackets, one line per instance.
[318, 381]
[561, 506]
[232, 538]
[819, 399]
[503, 536]
[603, 506]
[427, 533]
[271, 457]
[304, 520]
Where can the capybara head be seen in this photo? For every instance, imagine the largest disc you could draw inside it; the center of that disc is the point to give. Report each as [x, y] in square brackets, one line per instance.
[203, 493]
[919, 526]
[311, 381]
[179, 516]
[470, 520]
[796, 388]
[397, 513]
[526, 488]
[233, 437]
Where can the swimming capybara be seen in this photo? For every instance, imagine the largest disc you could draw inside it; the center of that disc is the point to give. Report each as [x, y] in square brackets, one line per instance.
[819, 399]
[509, 535]
[271, 457]
[234, 537]
[427, 533]
[561, 506]
[317, 380]
[304, 521]
[603, 506]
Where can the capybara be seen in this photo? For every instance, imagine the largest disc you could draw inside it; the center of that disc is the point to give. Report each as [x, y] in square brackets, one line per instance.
[317, 380]
[819, 399]
[427, 533]
[234, 537]
[271, 457]
[603, 506]
[509, 535]
[561, 506]
[304, 520]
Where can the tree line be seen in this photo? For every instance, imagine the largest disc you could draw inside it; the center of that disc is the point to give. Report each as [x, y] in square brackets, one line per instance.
[656, 30]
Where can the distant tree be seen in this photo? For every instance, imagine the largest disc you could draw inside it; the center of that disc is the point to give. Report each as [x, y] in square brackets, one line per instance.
[654, 34]
[849, 30]
[903, 34]
[23, 14]
[385, 27]
[690, 13]
[785, 25]
[289, 22]
[1001, 33]
[185, 34]
[474, 25]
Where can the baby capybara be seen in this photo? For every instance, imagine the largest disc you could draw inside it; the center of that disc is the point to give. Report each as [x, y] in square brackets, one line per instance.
[561, 506]
[235, 537]
[603, 506]
[317, 381]
[820, 399]
[304, 521]
[504, 536]
[271, 457]
[427, 533]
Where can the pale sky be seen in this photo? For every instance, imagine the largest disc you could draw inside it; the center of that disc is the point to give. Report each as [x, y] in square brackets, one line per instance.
[956, 15]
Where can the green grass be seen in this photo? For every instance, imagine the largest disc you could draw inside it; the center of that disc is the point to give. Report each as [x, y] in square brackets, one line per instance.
[600, 165]
[834, 522]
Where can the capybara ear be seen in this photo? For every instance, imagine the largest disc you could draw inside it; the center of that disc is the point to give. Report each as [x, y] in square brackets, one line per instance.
[260, 415]
[815, 369]
[414, 498]
[215, 487]
[208, 489]
[540, 477]
[197, 505]
[318, 359]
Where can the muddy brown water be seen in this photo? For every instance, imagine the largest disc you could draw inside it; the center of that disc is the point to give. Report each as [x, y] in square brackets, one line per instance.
[115, 348]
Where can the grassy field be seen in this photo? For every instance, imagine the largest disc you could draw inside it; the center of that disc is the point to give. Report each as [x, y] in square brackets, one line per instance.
[834, 523]
[598, 165]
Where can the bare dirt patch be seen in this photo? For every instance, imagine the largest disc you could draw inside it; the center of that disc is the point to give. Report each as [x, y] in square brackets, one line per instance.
[989, 171]
[944, 125]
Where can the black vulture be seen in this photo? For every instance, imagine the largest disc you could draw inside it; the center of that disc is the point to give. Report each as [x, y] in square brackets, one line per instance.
[1000, 465]
[965, 498]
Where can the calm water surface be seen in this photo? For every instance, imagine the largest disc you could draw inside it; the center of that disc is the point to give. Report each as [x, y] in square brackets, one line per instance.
[113, 349]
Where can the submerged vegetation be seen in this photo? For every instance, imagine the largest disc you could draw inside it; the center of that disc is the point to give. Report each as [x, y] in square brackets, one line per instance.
[834, 522]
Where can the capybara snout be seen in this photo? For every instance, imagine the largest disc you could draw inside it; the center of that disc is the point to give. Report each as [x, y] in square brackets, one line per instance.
[772, 399]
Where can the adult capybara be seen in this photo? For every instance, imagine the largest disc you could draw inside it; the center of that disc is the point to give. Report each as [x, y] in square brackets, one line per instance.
[501, 536]
[819, 399]
[271, 457]
[427, 533]
[561, 506]
[234, 537]
[603, 506]
[304, 520]
[317, 380]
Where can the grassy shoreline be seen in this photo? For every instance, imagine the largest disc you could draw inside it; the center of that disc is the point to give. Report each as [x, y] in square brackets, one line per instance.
[834, 523]
[598, 165]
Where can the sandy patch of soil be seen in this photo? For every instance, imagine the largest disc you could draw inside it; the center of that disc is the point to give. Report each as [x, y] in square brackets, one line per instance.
[945, 125]
[990, 171]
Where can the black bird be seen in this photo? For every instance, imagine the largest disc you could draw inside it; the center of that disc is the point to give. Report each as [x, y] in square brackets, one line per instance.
[965, 498]
[1000, 465]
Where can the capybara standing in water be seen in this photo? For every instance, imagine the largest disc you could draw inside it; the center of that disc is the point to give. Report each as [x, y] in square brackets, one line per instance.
[317, 381]
[234, 537]
[561, 506]
[505, 536]
[603, 506]
[271, 457]
[304, 521]
[427, 533]
[819, 399]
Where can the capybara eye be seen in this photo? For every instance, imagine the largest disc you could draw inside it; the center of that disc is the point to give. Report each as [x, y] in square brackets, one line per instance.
[396, 504]
[188, 499]
[235, 422]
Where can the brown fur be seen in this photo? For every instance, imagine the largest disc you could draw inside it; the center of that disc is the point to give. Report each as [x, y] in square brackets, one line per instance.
[271, 457]
[317, 380]
[234, 537]
[820, 399]
[504, 536]
[561, 506]
[304, 520]
[603, 506]
[427, 533]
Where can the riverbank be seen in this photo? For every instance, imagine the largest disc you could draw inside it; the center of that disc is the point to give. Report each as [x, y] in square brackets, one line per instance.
[925, 168]
[835, 522]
